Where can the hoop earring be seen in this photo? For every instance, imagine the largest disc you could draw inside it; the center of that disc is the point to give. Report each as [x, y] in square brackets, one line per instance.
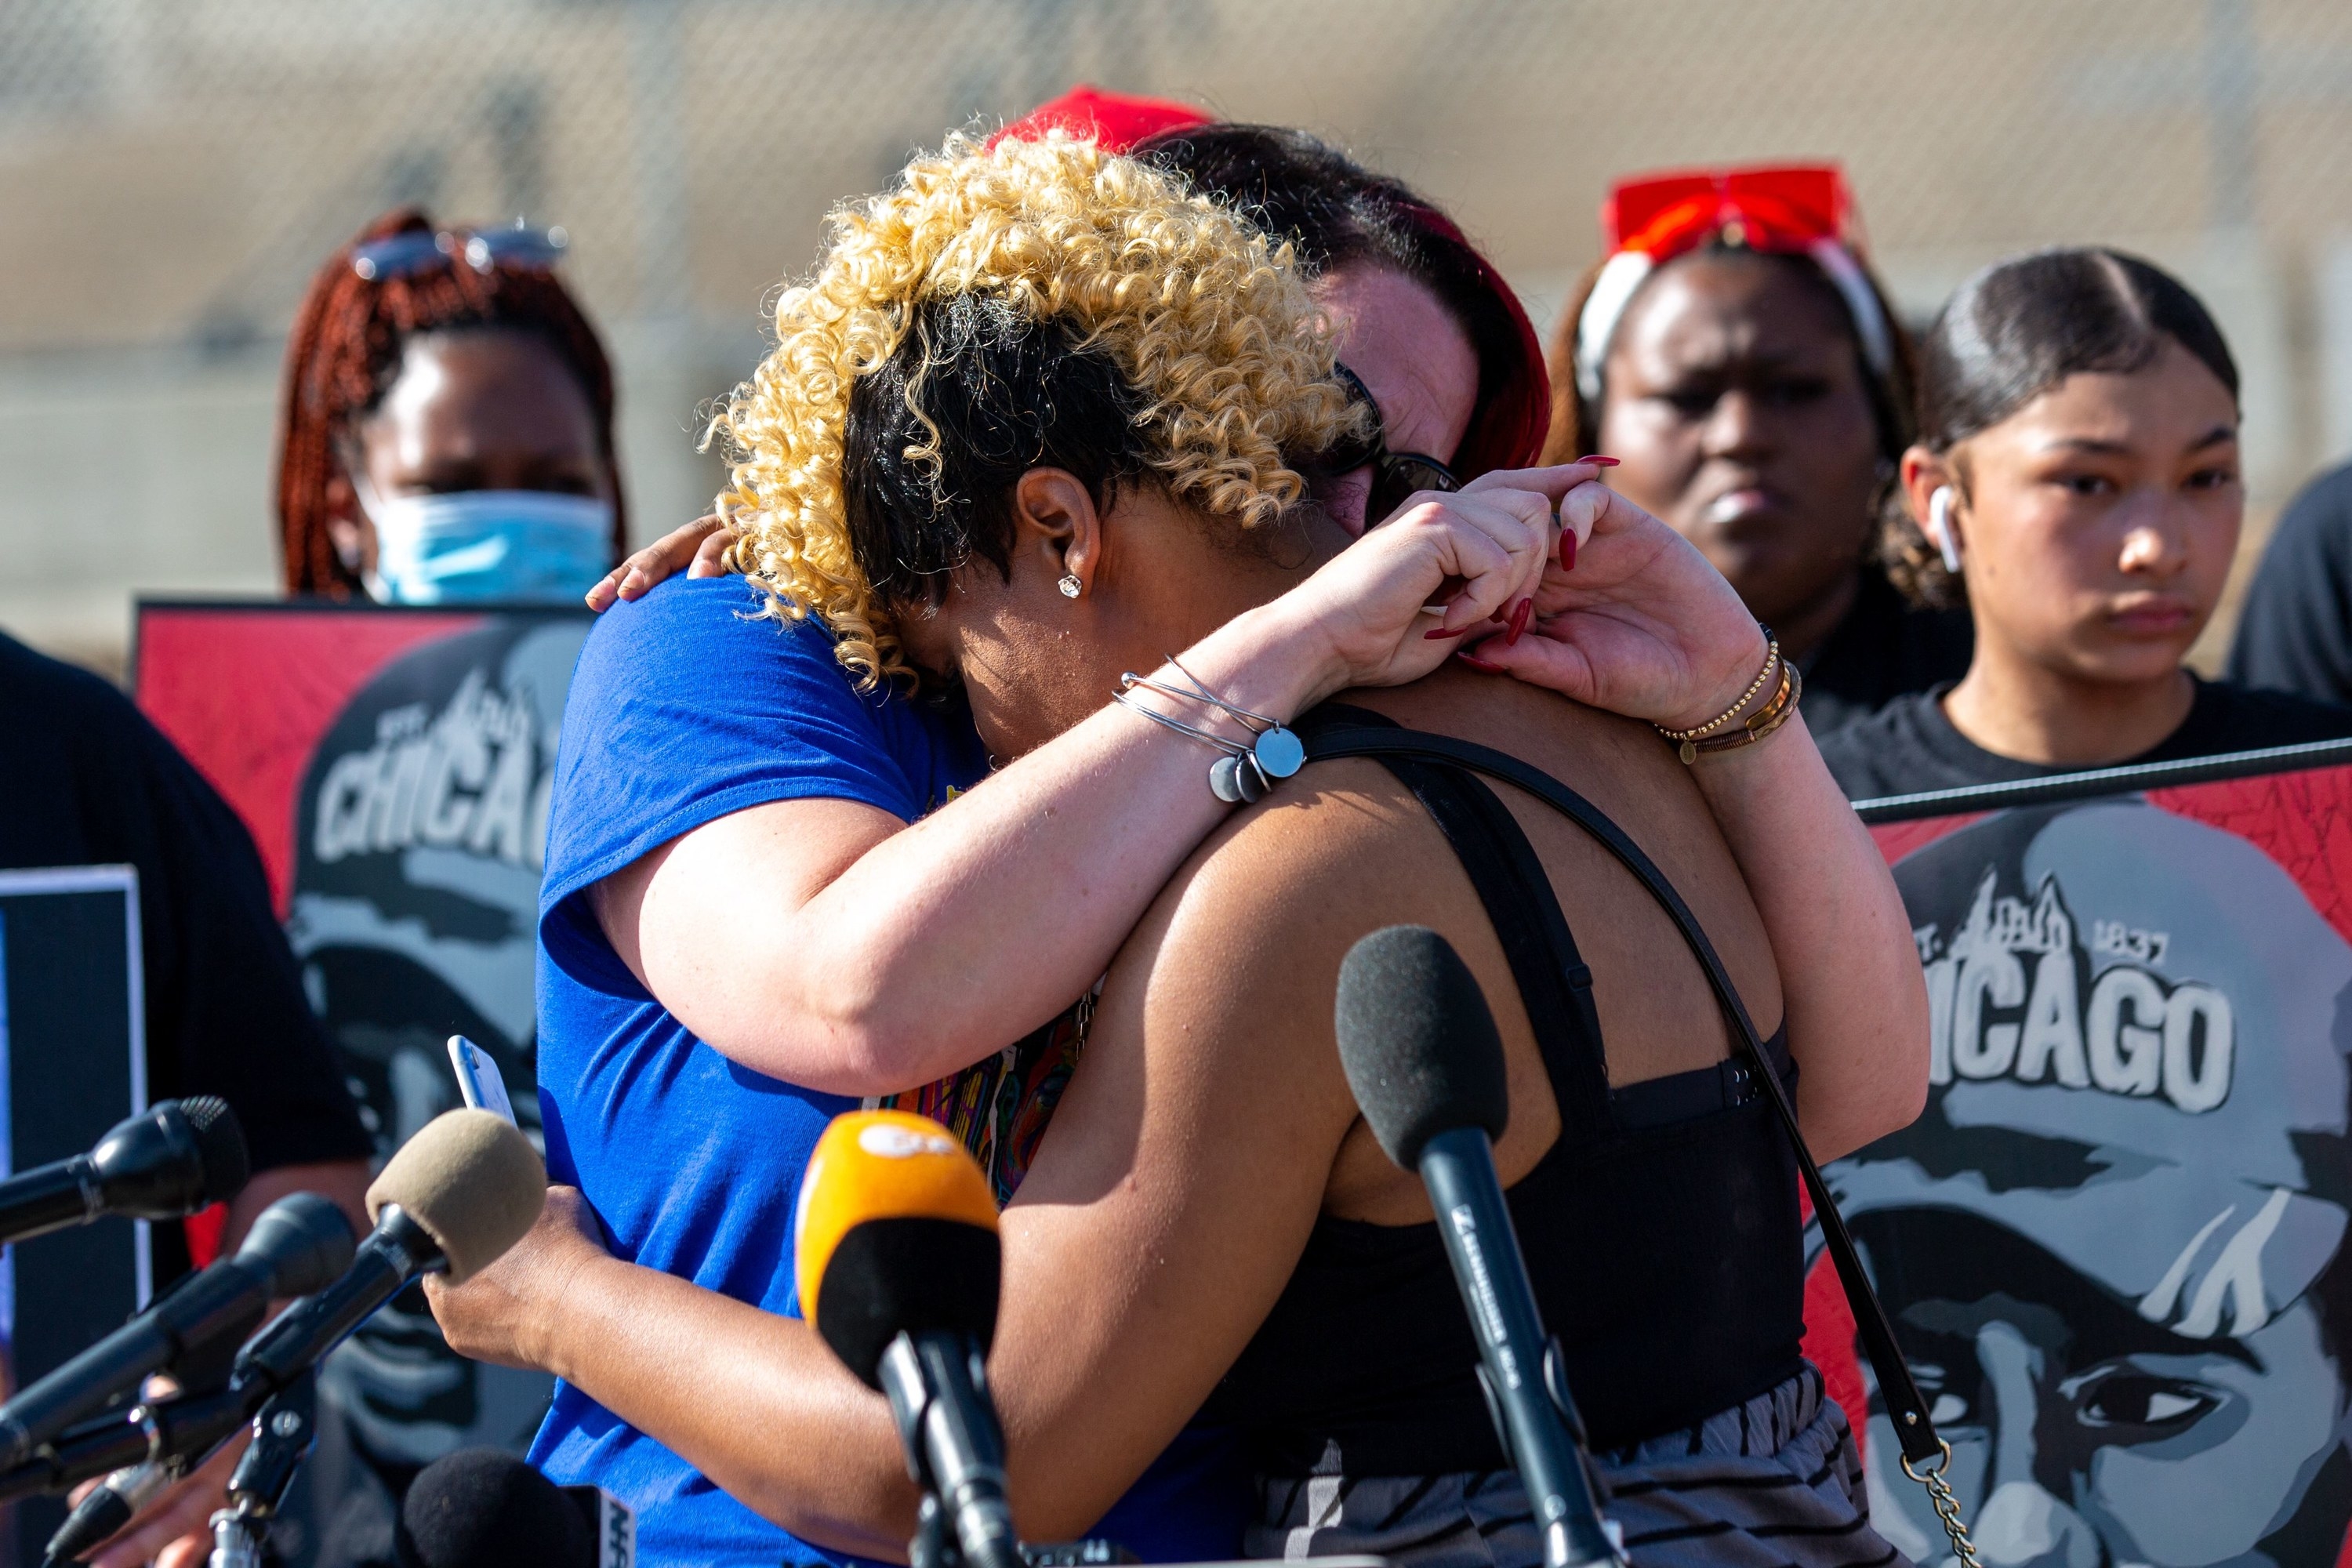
[1940, 528]
[1070, 586]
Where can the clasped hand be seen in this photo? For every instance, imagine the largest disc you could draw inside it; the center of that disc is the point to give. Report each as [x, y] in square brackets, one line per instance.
[1631, 618]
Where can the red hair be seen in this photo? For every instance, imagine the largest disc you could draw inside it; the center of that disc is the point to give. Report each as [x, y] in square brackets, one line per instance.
[345, 351]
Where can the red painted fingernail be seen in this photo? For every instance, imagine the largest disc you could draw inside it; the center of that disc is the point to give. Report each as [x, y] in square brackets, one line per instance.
[1441, 632]
[1475, 662]
[1597, 461]
[1568, 549]
[1520, 613]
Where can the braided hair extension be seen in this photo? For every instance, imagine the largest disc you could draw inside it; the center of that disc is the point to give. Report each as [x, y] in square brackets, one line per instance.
[345, 351]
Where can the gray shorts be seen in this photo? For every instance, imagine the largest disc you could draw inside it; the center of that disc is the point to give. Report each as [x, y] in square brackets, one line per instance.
[1774, 1482]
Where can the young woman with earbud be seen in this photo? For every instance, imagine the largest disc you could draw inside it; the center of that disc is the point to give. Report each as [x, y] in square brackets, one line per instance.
[2077, 467]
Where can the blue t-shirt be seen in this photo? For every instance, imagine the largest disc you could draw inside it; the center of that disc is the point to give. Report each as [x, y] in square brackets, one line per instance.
[683, 710]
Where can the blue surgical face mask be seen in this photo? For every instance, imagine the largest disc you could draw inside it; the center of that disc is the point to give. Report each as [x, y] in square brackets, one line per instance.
[471, 545]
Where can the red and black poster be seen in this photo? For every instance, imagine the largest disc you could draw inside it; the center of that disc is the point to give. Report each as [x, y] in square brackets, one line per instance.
[2113, 1246]
[393, 766]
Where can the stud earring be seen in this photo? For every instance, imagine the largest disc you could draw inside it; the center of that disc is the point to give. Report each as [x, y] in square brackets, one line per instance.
[1070, 586]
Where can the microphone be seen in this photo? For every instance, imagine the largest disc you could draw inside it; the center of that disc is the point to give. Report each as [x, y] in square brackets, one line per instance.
[299, 1243]
[172, 1159]
[483, 1507]
[1425, 1065]
[460, 1193]
[897, 1260]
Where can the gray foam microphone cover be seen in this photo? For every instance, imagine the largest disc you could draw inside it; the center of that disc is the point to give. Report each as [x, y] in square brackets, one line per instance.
[1417, 1042]
[471, 1180]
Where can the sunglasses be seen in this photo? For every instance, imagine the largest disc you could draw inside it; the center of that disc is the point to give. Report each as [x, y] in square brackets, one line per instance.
[406, 254]
[1788, 207]
[1397, 476]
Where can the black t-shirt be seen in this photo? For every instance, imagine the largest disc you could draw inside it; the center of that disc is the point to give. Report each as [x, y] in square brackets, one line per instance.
[2295, 633]
[1884, 648]
[1910, 746]
[85, 780]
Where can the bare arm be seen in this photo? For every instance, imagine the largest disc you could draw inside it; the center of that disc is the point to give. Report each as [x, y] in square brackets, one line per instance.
[1857, 1003]
[1130, 1262]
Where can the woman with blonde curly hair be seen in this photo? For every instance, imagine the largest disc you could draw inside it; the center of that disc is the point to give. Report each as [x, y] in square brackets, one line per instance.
[1039, 418]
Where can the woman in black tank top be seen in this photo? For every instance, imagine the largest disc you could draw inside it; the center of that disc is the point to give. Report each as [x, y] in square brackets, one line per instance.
[1663, 1237]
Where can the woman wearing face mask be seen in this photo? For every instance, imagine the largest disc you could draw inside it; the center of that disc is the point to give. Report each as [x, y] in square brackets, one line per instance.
[1733, 351]
[447, 429]
[2078, 461]
[1165, 370]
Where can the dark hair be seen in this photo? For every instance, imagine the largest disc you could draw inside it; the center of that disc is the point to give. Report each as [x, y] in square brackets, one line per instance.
[2020, 327]
[345, 352]
[1337, 213]
[976, 394]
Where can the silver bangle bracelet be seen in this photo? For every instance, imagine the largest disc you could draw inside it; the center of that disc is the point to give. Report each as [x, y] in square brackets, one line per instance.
[1245, 772]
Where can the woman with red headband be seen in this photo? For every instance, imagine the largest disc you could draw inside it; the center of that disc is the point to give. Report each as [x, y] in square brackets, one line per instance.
[1733, 351]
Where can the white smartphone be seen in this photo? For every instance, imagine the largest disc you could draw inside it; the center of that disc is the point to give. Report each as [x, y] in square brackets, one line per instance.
[477, 1078]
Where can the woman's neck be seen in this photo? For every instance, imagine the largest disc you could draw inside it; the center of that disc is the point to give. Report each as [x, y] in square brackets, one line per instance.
[2028, 712]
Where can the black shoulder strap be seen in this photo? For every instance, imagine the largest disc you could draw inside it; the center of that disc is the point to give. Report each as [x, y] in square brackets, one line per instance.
[1554, 982]
[1906, 1407]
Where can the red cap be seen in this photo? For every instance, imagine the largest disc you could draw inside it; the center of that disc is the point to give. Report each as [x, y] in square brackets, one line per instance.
[1113, 122]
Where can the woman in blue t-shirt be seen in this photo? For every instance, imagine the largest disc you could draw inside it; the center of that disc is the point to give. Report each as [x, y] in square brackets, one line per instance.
[643, 1112]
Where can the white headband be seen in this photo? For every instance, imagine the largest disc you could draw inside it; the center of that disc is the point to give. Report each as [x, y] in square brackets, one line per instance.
[1624, 273]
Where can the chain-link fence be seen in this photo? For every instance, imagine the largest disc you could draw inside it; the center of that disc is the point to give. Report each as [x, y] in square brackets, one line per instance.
[171, 170]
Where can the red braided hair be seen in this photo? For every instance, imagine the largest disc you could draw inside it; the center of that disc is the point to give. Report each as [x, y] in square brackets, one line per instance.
[345, 351]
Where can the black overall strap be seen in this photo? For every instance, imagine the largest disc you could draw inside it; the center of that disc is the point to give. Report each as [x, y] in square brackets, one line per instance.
[1906, 1407]
[1555, 983]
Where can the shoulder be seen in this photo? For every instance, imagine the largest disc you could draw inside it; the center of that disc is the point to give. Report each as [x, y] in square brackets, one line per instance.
[696, 669]
[61, 697]
[1872, 755]
[60, 710]
[688, 706]
[2317, 523]
[711, 634]
[2228, 717]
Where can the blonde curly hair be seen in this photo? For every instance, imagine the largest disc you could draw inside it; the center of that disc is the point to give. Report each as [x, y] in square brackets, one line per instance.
[1213, 329]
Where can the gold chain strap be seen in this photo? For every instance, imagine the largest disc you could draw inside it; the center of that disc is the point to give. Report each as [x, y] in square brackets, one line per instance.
[1946, 1505]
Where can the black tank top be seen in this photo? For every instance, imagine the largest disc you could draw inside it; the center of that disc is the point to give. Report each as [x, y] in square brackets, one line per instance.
[1661, 1230]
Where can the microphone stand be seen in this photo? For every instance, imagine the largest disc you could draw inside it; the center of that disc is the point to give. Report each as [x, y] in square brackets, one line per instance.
[285, 1430]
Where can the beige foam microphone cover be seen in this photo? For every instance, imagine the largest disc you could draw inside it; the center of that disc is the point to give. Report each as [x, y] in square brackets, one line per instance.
[472, 1180]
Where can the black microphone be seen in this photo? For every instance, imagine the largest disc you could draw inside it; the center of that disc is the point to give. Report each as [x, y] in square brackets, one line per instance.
[483, 1507]
[299, 1243]
[897, 1260]
[1425, 1065]
[457, 1194]
[172, 1159]
[454, 1197]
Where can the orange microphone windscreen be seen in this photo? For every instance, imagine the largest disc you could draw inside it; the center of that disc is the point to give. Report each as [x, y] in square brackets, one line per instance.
[896, 1233]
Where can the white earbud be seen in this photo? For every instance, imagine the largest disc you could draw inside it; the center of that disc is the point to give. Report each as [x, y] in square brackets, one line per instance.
[1940, 528]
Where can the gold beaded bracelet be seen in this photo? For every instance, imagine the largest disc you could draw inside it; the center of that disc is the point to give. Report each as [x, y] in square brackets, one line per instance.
[1771, 663]
[1760, 723]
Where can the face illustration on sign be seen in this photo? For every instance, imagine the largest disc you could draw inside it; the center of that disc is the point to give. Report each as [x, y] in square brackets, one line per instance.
[2111, 1242]
[419, 832]
[420, 827]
